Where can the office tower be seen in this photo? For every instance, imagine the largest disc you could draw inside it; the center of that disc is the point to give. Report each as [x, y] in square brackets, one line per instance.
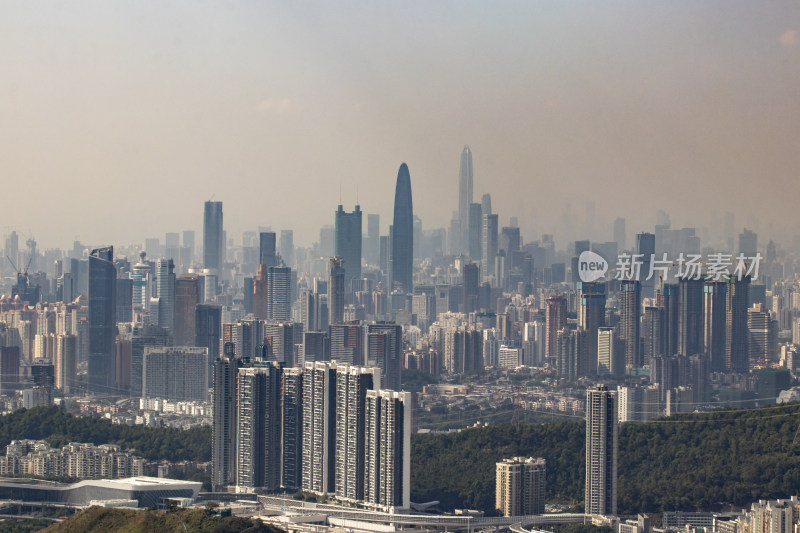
[533, 342]
[258, 435]
[9, 368]
[372, 241]
[714, 323]
[555, 320]
[646, 246]
[470, 282]
[291, 428]
[336, 290]
[319, 411]
[579, 248]
[188, 243]
[266, 249]
[387, 482]
[175, 373]
[464, 198]
[347, 343]
[187, 297]
[287, 247]
[140, 280]
[165, 292]
[261, 293]
[601, 451]
[384, 350]
[279, 297]
[316, 347]
[348, 244]
[213, 238]
[690, 316]
[571, 353]
[279, 341]
[144, 335]
[510, 240]
[124, 299]
[668, 301]
[208, 331]
[352, 384]
[519, 486]
[66, 362]
[402, 259]
[224, 425]
[591, 316]
[122, 363]
[651, 325]
[748, 243]
[475, 222]
[609, 360]
[102, 321]
[620, 233]
[736, 345]
[488, 245]
[486, 204]
[630, 302]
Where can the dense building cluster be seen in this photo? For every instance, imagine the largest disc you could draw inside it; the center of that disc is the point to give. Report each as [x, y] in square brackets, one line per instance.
[75, 460]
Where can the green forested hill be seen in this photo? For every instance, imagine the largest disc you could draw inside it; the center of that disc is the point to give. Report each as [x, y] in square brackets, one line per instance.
[691, 461]
[60, 428]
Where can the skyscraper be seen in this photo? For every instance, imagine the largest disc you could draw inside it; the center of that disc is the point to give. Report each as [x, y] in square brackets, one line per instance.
[102, 321]
[464, 199]
[291, 428]
[165, 287]
[646, 247]
[591, 317]
[488, 245]
[208, 331]
[348, 244]
[690, 316]
[714, 321]
[601, 451]
[629, 326]
[287, 247]
[175, 373]
[736, 345]
[403, 233]
[387, 482]
[223, 429]
[384, 350]
[319, 410]
[258, 435]
[187, 297]
[213, 243]
[474, 232]
[279, 297]
[266, 249]
[555, 320]
[352, 384]
[619, 233]
[336, 290]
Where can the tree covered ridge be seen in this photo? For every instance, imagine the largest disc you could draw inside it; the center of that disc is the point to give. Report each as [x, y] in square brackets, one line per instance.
[687, 462]
[59, 428]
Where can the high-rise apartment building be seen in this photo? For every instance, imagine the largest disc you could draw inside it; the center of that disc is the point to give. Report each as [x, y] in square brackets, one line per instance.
[520, 485]
[258, 435]
[601, 451]
[224, 425]
[387, 483]
[279, 298]
[175, 373]
[352, 384]
[319, 435]
[291, 428]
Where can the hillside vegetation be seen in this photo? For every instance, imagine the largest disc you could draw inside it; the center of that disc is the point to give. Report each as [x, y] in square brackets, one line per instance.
[687, 462]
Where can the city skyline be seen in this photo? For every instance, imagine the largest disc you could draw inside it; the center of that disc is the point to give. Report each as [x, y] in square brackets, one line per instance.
[584, 103]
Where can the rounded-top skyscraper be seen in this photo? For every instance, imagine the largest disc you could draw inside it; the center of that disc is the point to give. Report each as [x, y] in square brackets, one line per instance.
[403, 232]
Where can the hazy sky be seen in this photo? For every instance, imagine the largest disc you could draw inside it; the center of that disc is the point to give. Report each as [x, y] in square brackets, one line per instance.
[119, 119]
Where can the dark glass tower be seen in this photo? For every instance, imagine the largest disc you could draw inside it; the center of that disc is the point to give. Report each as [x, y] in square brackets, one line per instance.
[347, 244]
[212, 235]
[403, 232]
[102, 321]
[464, 199]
